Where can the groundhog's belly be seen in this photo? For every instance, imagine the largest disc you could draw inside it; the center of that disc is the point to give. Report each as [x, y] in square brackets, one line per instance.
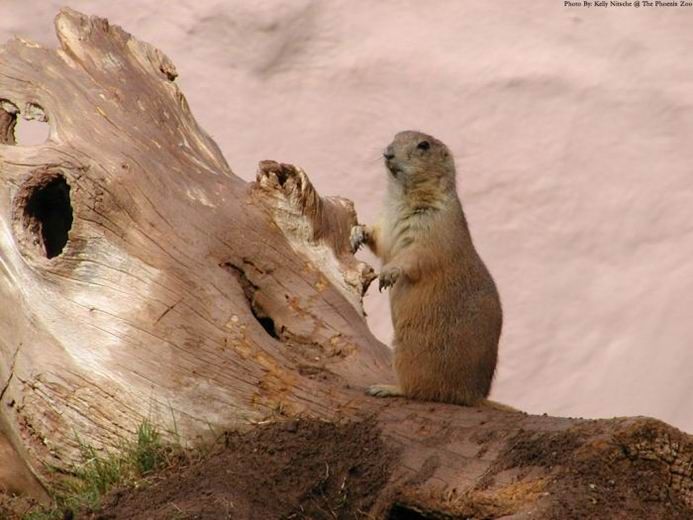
[446, 339]
[426, 311]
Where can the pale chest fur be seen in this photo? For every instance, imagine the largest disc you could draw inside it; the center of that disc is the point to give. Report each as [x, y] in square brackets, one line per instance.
[397, 227]
[404, 223]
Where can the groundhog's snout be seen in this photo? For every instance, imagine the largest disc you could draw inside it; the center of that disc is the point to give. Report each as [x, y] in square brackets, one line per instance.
[390, 162]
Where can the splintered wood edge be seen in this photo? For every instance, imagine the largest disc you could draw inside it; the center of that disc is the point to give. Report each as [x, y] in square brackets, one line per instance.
[8, 120]
[316, 227]
[74, 29]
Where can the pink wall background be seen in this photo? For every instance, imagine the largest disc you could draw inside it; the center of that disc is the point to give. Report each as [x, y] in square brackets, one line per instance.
[572, 130]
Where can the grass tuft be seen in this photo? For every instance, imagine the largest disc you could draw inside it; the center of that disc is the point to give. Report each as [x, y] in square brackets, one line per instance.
[98, 473]
[148, 453]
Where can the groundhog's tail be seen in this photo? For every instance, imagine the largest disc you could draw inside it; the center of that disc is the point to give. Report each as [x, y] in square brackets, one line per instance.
[487, 403]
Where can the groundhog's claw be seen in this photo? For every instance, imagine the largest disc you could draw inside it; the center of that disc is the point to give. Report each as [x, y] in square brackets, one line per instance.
[384, 391]
[357, 237]
[388, 277]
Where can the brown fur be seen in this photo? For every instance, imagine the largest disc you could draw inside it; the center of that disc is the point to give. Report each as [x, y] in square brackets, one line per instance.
[445, 307]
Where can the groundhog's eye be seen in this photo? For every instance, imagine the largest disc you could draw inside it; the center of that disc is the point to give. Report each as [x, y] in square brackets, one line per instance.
[423, 145]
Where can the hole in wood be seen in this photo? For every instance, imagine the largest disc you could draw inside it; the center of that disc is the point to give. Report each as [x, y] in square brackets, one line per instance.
[402, 512]
[33, 128]
[47, 213]
[31, 132]
[250, 291]
[267, 324]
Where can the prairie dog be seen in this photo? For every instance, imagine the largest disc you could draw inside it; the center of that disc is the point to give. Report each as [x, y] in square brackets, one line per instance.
[446, 311]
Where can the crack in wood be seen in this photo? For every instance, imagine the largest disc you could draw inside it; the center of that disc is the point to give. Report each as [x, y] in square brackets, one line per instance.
[11, 376]
[168, 309]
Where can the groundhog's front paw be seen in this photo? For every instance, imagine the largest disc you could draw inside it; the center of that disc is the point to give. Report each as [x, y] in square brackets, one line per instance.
[357, 237]
[388, 277]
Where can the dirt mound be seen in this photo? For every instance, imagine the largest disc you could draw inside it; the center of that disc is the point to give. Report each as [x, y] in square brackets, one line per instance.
[636, 472]
[630, 468]
[298, 469]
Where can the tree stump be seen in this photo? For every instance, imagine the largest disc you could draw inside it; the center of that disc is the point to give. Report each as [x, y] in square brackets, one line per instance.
[140, 278]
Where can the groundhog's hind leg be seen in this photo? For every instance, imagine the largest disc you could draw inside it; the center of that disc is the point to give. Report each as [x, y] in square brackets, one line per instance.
[385, 391]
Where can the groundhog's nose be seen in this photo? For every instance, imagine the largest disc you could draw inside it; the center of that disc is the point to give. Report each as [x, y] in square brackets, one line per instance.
[388, 154]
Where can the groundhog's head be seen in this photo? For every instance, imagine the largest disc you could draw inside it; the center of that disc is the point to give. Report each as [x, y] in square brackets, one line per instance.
[415, 157]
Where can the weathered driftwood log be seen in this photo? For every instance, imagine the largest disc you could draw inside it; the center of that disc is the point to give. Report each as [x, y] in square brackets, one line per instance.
[139, 277]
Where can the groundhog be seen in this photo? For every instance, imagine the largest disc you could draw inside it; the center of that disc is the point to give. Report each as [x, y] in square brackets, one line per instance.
[446, 311]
